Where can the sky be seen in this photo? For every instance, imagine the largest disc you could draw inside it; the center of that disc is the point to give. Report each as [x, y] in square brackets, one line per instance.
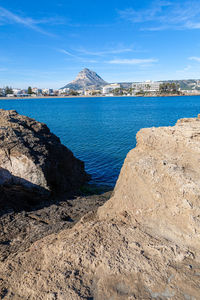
[46, 43]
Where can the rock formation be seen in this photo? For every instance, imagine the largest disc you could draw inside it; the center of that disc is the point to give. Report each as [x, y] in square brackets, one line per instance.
[159, 184]
[142, 244]
[32, 156]
[86, 79]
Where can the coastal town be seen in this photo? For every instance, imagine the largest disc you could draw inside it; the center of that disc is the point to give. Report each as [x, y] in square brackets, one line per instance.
[90, 84]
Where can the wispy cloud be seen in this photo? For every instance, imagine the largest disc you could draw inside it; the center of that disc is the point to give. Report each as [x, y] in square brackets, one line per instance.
[105, 52]
[67, 53]
[85, 56]
[195, 58]
[143, 15]
[184, 70]
[82, 59]
[3, 69]
[57, 20]
[7, 16]
[191, 25]
[134, 61]
[161, 15]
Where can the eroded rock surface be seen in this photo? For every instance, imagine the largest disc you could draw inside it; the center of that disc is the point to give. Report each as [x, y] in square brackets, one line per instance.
[159, 184]
[34, 157]
[26, 217]
[142, 244]
[103, 261]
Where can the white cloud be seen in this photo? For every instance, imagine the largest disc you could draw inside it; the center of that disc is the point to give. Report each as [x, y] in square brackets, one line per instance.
[195, 58]
[166, 15]
[82, 59]
[185, 70]
[7, 16]
[144, 15]
[87, 57]
[104, 52]
[67, 53]
[191, 25]
[134, 61]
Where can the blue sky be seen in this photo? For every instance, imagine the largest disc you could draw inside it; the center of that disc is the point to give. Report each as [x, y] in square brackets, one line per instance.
[46, 43]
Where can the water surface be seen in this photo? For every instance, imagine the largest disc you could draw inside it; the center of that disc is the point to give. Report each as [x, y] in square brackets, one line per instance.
[101, 131]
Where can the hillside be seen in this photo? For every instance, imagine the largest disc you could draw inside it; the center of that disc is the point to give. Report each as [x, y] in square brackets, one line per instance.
[86, 79]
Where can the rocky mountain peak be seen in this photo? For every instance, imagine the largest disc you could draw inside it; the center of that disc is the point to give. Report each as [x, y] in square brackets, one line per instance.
[86, 79]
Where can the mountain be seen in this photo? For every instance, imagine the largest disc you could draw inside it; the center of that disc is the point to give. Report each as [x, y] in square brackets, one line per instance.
[188, 84]
[185, 84]
[86, 79]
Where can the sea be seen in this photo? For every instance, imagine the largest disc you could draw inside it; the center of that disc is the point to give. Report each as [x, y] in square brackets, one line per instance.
[101, 131]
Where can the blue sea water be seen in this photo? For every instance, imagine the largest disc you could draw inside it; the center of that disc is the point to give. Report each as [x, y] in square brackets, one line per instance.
[101, 131]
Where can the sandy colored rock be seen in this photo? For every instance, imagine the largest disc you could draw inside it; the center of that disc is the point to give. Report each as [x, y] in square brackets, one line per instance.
[33, 156]
[101, 260]
[142, 244]
[159, 184]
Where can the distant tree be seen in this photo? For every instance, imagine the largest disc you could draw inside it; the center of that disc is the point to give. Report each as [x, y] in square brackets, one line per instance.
[8, 90]
[130, 90]
[118, 91]
[140, 92]
[169, 88]
[30, 90]
[73, 93]
[95, 93]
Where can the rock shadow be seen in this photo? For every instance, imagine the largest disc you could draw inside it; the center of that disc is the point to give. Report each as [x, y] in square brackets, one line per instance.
[27, 215]
[18, 194]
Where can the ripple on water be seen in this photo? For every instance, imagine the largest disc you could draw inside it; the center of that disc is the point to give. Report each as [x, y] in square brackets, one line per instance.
[101, 131]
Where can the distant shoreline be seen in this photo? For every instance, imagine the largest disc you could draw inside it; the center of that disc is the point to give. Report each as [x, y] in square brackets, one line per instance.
[100, 96]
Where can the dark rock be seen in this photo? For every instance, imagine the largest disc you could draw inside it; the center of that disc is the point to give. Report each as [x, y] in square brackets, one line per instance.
[32, 156]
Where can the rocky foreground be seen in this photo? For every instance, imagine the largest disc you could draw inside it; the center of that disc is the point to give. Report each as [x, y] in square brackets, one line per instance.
[142, 244]
[32, 156]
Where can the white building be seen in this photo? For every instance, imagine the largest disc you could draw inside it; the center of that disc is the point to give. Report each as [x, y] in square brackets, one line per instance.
[47, 92]
[146, 86]
[81, 92]
[2, 92]
[16, 92]
[10, 95]
[91, 92]
[198, 84]
[64, 91]
[110, 87]
[190, 92]
[19, 93]
[37, 91]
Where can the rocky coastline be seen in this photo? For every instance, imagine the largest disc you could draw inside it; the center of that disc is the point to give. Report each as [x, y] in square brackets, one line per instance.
[140, 241]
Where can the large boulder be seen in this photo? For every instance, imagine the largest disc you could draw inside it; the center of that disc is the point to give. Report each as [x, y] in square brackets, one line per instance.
[32, 156]
[159, 184]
